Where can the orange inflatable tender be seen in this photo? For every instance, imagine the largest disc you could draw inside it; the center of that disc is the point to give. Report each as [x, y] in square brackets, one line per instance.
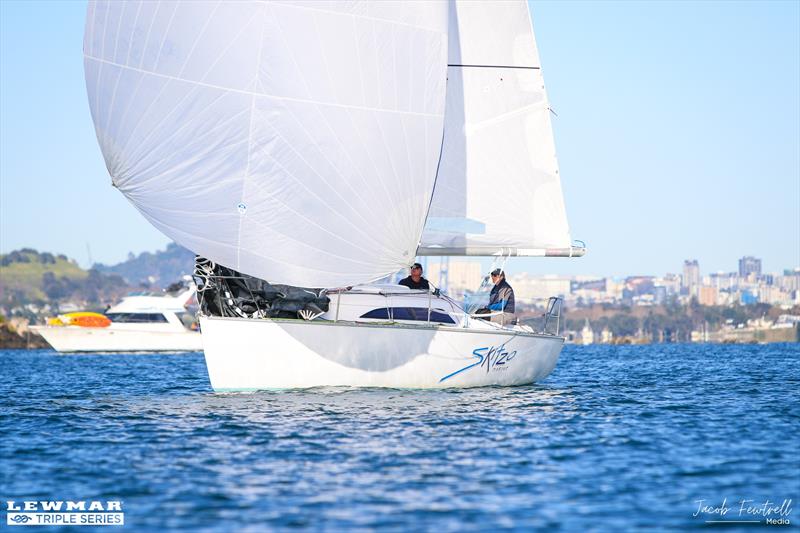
[91, 321]
[86, 320]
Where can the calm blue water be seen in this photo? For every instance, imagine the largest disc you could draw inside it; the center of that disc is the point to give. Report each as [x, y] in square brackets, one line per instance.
[618, 438]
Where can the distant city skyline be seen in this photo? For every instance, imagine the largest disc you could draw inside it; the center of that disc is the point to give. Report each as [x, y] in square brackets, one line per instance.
[678, 268]
[678, 134]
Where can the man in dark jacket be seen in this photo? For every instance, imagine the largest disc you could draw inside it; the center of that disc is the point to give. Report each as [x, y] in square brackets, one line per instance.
[501, 298]
[415, 280]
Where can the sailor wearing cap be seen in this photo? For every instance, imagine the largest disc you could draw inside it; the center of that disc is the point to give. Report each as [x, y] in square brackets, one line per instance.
[415, 280]
[501, 298]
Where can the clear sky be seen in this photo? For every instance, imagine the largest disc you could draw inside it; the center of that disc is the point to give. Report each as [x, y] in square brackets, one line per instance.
[678, 134]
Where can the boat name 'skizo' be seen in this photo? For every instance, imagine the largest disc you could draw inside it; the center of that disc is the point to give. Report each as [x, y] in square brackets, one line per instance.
[494, 358]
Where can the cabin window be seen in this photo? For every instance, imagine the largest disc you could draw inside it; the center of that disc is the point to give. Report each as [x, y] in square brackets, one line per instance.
[409, 313]
[137, 317]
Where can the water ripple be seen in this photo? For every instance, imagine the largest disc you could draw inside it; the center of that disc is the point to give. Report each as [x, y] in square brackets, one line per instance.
[617, 438]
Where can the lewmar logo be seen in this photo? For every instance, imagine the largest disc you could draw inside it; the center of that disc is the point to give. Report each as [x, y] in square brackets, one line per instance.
[64, 513]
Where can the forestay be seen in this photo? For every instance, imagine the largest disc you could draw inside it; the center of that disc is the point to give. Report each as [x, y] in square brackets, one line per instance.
[295, 142]
[498, 190]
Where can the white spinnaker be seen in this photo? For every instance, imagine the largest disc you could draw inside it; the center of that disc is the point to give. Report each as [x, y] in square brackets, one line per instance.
[292, 141]
[498, 188]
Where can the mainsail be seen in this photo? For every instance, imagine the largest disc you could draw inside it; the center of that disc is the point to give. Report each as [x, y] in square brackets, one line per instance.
[498, 190]
[293, 141]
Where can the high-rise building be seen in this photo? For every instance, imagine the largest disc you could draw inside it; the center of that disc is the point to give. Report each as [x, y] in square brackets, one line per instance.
[691, 277]
[749, 265]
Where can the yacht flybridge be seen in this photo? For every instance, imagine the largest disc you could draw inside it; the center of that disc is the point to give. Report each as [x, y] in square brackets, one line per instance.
[325, 145]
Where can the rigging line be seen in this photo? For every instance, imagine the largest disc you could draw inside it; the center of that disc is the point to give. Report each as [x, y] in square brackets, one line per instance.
[494, 66]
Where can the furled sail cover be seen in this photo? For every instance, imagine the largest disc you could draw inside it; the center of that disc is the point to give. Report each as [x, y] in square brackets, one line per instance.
[498, 189]
[293, 141]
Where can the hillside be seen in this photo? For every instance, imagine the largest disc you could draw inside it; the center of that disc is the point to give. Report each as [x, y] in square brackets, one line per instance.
[147, 269]
[22, 273]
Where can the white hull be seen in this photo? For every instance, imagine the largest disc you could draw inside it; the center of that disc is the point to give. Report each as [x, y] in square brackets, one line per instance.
[125, 339]
[247, 354]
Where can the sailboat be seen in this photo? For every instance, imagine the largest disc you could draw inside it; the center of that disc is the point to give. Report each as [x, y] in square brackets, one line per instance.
[308, 149]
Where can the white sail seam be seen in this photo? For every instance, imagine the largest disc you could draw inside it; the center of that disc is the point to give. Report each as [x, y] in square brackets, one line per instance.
[119, 73]
[311, 137]
[250, 137]
[159, 222]
[380, 101]
[197, 40]
[186, 164]
[326, 122]
[166, 33]
[149, 32]
[100, 70]
[264, 95]
[179, 103]
[342, 13]
[176, 132]
[311, 193]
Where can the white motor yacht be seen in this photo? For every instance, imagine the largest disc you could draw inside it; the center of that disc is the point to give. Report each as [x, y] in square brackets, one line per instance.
[139, 323]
